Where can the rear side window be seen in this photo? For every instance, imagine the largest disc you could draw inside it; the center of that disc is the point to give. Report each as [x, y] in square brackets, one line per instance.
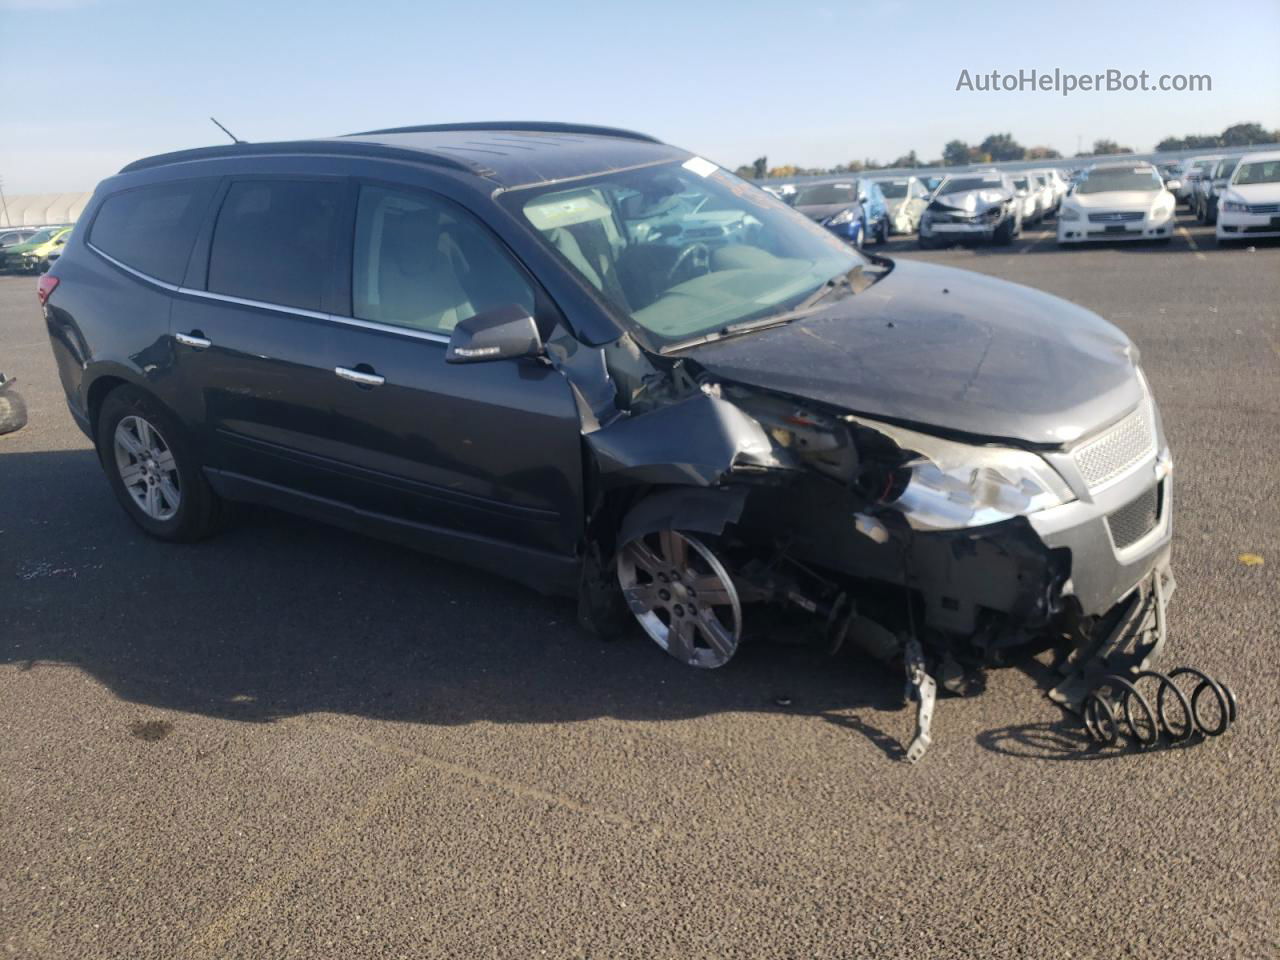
[152, 228]
[424, 263]
[273, 241]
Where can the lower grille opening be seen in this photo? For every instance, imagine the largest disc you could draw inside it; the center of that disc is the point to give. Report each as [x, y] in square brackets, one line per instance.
[1135, 519]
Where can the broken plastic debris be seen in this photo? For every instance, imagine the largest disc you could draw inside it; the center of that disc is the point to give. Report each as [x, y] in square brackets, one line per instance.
[1251, 559]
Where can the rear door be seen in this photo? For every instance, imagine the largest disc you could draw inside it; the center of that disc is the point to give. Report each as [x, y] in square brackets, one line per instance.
[252, 343]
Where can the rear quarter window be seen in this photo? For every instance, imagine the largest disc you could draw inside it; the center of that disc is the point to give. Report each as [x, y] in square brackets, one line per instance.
[153, 228]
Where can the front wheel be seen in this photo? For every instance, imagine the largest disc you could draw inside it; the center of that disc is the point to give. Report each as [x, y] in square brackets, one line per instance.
[1004, 233]
[152, 468]
[882, 233]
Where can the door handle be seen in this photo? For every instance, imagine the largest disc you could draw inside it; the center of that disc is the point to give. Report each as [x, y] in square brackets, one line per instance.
[360, 377]
[193, 339]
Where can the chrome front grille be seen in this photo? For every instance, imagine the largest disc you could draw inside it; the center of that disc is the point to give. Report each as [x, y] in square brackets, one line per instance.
[1117, 451]
[1116, 216]
[1135, 519]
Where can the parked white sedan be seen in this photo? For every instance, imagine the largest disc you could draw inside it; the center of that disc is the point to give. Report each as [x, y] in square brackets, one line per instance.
[1117, 202]
[1250, 205]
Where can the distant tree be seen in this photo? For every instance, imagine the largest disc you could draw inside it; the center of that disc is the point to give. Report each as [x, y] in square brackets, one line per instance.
[1002, 146]
[1244, 134]
[786, 170]
[1201, 141]
[745, 172]
[1106, 147]
[760, 167]
[1171, 143]
[1042, 153]
[907, 161]
[955, 153]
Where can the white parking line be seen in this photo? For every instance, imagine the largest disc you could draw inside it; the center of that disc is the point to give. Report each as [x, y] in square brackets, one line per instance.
[1191, 241]
[1040, 237]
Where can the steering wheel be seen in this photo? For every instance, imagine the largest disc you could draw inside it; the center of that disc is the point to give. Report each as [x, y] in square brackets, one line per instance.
[695, 256]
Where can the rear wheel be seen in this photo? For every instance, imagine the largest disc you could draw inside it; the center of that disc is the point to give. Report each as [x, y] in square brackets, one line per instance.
[1004, 232]
[152, 468]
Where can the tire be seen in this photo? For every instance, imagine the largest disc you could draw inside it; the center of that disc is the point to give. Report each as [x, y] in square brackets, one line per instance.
[882, 233]
[925, 243]
[169, 467]
[1004, 233]
[13, 411]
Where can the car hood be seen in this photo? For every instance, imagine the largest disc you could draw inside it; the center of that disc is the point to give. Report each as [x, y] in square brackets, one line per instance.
[969, 201]
[949, 349]
[820, 211]
[1117, 200]
[1257, 192]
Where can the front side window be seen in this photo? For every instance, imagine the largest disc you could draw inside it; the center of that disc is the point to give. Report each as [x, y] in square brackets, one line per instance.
[273, 241]
[153, 228]
[1109, 179]
[893, 189]
[423, 262]
[681, 251]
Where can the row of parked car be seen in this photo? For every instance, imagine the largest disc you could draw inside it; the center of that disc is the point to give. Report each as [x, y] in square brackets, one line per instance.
[32, 249]
[993, 205]
[1107, 201]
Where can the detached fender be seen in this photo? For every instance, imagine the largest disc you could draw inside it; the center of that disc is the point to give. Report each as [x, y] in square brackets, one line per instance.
[683, 508]
[696, 442]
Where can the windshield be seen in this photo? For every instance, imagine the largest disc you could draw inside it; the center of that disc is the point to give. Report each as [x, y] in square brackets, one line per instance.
[965, 184]
[1121, 178]
[1262, 171]
[1020, 183]
[684, 252]
[44, 236]
[893, 189]
[823, 193]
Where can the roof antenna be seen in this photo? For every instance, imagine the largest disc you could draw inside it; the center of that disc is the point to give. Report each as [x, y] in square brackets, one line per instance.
[234, 138]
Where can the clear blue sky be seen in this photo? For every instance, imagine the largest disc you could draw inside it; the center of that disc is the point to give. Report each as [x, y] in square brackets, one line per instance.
[112, 80]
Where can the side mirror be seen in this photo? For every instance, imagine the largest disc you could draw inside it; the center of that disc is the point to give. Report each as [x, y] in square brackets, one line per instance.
[1173, 184]
[498, 334]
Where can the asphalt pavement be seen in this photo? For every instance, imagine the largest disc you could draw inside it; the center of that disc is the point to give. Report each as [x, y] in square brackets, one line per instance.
[291, 741]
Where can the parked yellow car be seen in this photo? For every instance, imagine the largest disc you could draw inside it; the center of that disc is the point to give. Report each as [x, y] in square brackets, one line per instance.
[35, 255]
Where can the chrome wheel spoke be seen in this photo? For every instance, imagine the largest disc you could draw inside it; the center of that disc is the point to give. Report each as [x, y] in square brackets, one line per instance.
[169, 490]
[710, 590]
[165, 462]
[639, 553]
[720, 640]
[153, 506]
[674, 548]
[129, 442]
[131, 474]
[641, 598]
[680, 638]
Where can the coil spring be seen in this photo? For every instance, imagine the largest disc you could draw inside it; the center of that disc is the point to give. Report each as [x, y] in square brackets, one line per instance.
[1102, 716]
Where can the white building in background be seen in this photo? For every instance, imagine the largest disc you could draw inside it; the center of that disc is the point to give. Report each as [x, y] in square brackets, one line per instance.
[38, 209]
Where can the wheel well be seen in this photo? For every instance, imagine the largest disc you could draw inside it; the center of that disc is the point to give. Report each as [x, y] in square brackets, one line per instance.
[98, 391]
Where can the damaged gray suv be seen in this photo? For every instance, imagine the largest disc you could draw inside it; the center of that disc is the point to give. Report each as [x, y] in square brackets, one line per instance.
[600, 365]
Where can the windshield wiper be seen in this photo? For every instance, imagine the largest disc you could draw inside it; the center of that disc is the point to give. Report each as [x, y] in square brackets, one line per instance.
[801, 310]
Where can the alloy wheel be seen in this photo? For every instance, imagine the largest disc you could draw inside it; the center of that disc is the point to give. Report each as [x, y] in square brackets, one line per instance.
[147, 468]
[682, 596]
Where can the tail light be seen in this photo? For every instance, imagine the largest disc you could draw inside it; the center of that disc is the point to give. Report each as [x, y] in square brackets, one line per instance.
[45, 286]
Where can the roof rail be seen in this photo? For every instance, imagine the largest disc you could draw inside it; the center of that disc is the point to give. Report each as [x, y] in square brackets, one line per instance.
[516, 126]
[335, 146]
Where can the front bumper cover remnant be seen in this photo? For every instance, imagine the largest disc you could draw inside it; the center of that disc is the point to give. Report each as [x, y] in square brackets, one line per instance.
[1126, 641]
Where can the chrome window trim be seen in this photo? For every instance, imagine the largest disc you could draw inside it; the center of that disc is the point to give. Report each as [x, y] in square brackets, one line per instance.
[278, 307]
[173, 287]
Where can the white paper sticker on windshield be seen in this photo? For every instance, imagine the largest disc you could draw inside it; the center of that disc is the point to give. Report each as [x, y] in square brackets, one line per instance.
[703, 168]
